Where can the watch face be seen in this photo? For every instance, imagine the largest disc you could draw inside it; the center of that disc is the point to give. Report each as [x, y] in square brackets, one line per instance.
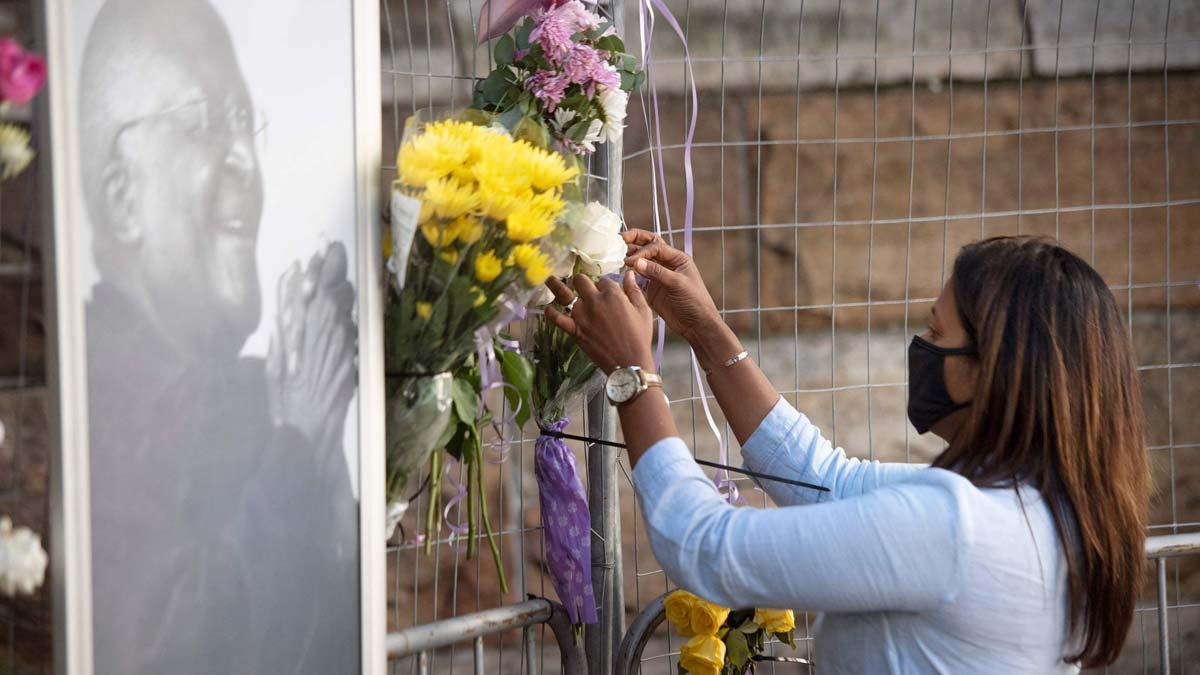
[622, 385]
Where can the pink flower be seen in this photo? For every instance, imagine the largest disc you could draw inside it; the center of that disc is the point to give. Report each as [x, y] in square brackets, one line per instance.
[22, 73]
[547, 87]
[553, 27]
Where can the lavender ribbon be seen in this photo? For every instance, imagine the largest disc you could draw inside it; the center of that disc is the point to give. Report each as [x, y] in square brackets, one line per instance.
[566, 525]
[646, 15]
[496, 17]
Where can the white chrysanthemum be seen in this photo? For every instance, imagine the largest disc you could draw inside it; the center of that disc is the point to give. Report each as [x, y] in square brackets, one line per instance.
[563, 117]
[15, 153]
[613, 101]
[594, 135]
[22, 559]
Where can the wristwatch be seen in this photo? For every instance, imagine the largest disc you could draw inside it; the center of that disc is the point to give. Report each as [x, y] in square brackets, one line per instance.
[625, 384]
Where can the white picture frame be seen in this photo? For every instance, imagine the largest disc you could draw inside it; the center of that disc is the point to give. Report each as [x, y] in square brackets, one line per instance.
[68, 270]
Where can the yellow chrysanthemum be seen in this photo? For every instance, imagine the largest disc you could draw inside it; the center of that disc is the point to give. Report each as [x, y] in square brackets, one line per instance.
[450, 255]
[427, 157]
[469, 230]
[497, 199]
[439, 235]
[549, 202]
[487, 267]
[535, 263]
[527, 224]
[450, 198]
[547, 169]
[424, 310]
[480, 298]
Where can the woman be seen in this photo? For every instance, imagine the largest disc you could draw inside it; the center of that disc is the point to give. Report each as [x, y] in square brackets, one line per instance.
[1019, 550]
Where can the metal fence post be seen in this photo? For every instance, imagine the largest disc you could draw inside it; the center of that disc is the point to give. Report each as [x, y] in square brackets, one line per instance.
[602, 640]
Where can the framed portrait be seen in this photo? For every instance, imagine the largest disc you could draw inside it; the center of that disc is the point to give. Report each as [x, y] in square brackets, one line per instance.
[217, 497]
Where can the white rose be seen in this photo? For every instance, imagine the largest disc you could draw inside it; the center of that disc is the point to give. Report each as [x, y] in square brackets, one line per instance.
[562, 268]
[613, 102]
[596, 240]
[22, 559]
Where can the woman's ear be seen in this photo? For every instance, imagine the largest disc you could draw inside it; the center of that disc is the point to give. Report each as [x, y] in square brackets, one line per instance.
[120, 205]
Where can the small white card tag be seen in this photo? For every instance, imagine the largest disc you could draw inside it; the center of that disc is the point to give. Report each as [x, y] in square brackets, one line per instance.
[405, 212]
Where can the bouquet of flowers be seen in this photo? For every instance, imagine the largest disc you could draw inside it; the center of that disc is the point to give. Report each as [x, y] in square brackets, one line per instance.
[559, 371]
[22, 75]
[564, 73]
[472, 214]
[724, 642]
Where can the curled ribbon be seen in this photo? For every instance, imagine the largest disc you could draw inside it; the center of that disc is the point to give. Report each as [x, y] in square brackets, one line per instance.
[658, 176]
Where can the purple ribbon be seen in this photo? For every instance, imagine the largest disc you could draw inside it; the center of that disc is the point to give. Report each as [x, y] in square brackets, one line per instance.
[566, 525]
[646, 15]
[498, 16]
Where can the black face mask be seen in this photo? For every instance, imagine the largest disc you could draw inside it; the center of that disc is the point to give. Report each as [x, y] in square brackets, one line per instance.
[928, 399]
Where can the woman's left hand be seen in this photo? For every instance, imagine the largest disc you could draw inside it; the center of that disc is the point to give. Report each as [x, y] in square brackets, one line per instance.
[611, 322]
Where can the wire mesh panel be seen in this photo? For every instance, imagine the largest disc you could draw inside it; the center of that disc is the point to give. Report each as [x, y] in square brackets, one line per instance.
[845, 150]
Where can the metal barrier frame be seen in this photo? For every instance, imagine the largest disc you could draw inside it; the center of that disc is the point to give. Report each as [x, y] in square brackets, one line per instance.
[1158, 549]
[422, 639]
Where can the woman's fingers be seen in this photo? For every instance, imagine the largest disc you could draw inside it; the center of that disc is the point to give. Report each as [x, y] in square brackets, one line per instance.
[637, 237]
[585, 288]
[629, 285]
[652, 270]
[660, 252]
[562, 293]
[564, 322]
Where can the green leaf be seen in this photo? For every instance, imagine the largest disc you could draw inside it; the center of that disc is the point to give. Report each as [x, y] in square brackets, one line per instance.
[749, 628]
[466, 400]
[523, 34]
[639, 79]
[505, 50]
[737, 651]
[628, 80]
[787, 638]
[596, 32]
[519, 373]
[493, 88]
[610, 43]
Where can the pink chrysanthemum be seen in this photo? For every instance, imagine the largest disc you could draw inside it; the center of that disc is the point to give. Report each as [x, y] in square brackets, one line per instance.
[553, 28]
[548, 87]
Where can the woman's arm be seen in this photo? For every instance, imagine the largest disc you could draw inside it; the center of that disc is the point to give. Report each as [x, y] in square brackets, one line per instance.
[901, 548]
[775, 438]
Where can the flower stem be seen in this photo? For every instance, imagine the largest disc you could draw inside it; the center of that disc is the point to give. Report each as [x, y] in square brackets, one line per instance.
[487, 525]
[435, 491]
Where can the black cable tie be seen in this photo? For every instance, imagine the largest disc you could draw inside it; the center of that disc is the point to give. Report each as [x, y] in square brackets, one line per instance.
[704, 462]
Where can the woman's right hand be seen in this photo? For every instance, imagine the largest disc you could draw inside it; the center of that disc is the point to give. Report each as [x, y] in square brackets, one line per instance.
[674, 286]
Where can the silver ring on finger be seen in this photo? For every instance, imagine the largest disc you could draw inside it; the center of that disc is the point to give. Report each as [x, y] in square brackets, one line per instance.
[570, 305]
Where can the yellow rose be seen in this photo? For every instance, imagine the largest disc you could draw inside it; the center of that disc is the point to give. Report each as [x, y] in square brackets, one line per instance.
[487, 266]
[775, 620]
[679, 611]
[703, 655]
[424, 310]
[707, 617]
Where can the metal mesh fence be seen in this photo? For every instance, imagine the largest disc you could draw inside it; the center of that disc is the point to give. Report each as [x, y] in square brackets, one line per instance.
[844, 152]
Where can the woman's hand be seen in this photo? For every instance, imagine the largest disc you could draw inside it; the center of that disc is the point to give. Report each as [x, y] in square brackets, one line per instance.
[612, 323]
[675, 289]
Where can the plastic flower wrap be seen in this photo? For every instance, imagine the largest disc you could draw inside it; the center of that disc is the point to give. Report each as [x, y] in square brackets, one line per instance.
[22, 75]
[565, 72]
[473, 214]
[724, 641]
[22, 559]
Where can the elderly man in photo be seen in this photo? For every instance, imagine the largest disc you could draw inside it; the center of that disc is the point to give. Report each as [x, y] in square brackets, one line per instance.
[224, 529]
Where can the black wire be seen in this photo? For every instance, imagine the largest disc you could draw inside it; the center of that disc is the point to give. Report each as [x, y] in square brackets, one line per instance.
[765, 476]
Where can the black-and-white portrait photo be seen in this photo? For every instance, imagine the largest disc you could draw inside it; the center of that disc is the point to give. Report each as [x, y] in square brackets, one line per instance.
[217, 170]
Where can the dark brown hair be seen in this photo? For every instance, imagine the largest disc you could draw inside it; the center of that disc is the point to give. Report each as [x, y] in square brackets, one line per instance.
[1058, 406]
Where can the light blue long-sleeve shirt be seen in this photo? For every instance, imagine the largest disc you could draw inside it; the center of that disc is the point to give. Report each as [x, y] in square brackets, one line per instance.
[915, 569]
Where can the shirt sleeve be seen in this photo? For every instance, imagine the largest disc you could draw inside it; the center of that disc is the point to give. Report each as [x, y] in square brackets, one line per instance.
[898, 548]
[787, 444]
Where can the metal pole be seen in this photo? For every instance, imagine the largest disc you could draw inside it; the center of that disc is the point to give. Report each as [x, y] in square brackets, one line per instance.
[1164, 649]
[602, 640]
[479, 655]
